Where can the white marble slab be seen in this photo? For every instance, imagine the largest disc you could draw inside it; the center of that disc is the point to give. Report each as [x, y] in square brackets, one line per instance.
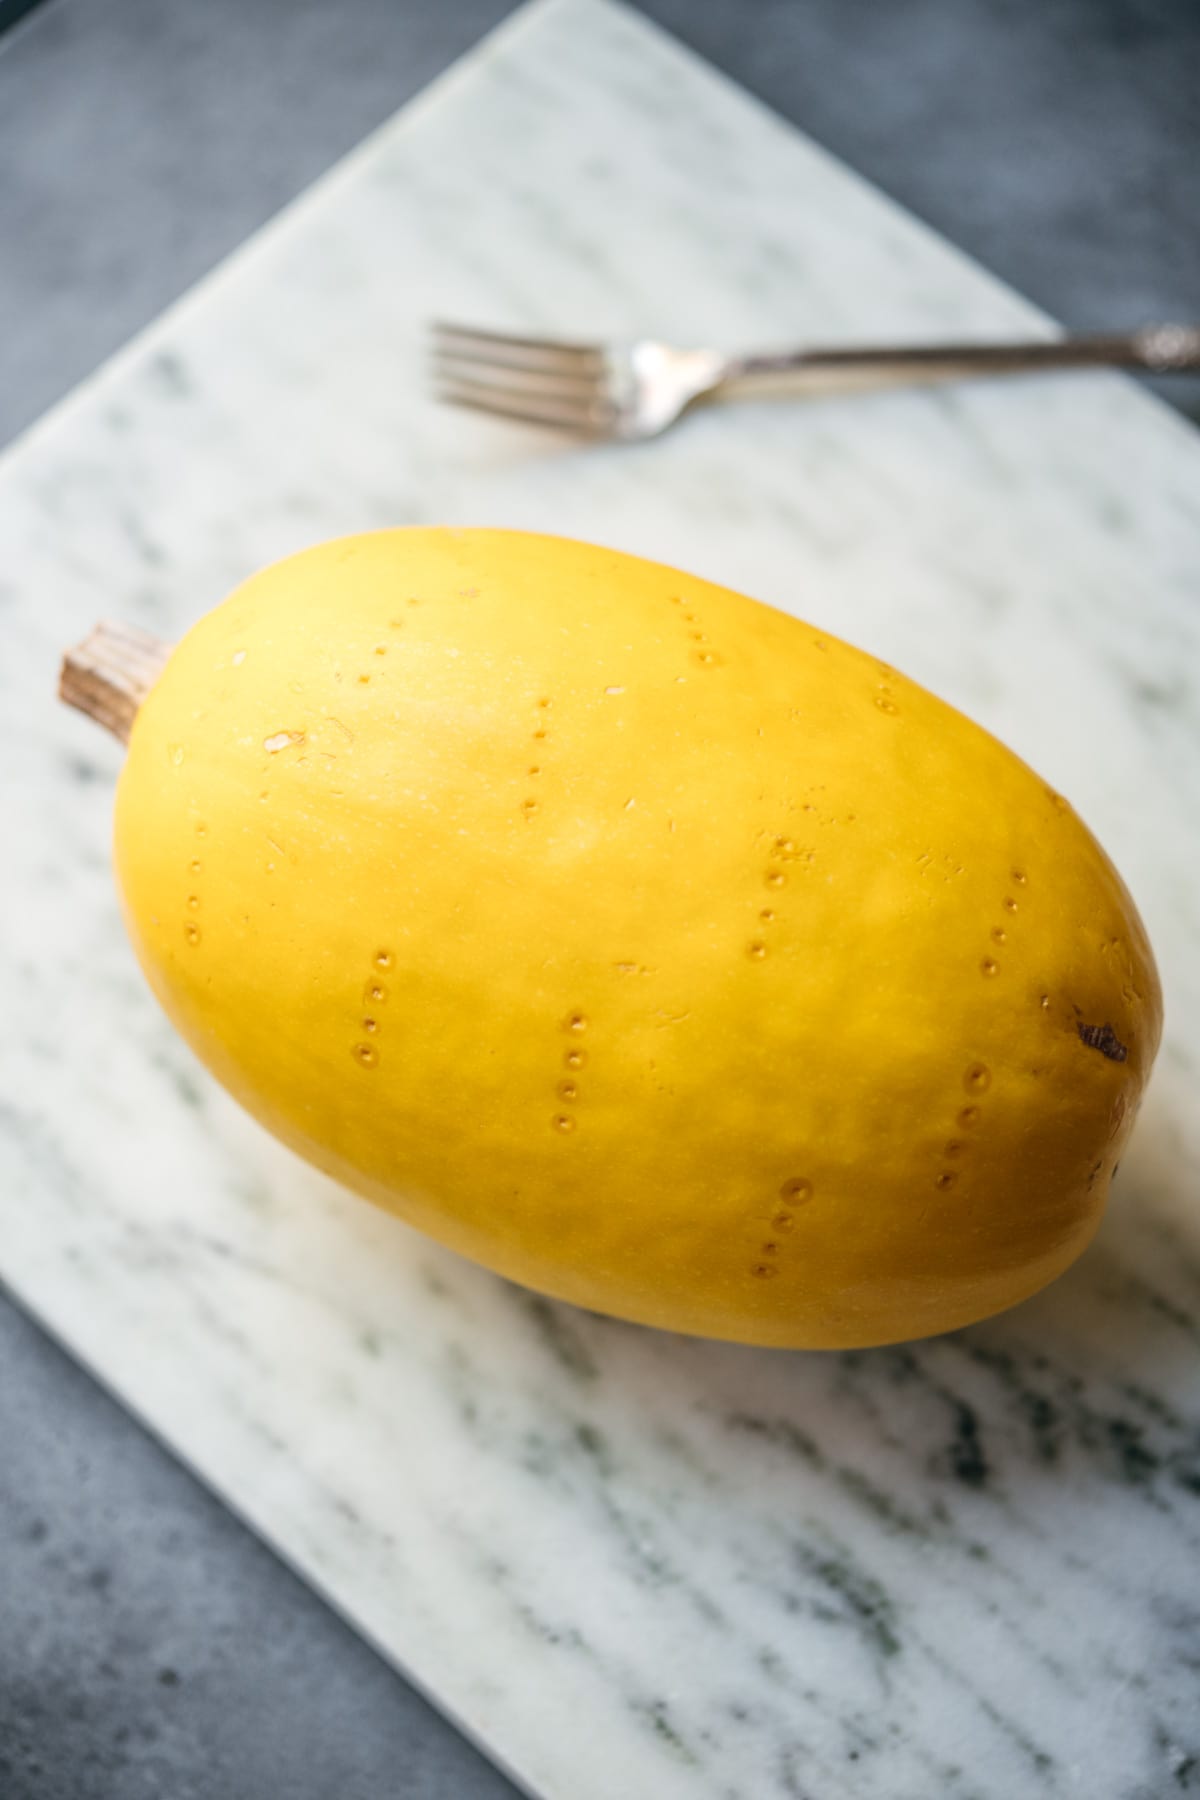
[631, 1564]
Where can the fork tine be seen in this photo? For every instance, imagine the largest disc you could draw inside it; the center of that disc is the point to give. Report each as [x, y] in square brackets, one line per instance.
[519, 378]
[523, 403]
[523, 352]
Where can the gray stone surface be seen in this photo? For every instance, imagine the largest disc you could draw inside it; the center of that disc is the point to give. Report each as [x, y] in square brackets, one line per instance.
[149, 1646]
[141, 140]
[151, 1649]
[144, 139]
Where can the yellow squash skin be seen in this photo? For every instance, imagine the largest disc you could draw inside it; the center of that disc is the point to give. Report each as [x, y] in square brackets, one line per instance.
[635, 939]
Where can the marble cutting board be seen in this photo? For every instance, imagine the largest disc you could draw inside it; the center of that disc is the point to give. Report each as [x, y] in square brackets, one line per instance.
[626, 1563]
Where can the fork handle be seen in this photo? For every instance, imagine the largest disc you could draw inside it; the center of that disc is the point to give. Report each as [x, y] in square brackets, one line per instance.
[1162, 349]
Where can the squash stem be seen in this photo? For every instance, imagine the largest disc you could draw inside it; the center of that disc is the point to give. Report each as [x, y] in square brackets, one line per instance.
[110, 673]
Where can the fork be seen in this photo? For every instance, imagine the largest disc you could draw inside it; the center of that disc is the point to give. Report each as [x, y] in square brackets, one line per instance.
[636, 390]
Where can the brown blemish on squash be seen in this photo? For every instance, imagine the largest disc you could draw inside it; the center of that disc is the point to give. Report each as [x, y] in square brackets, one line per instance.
[1104, 1039]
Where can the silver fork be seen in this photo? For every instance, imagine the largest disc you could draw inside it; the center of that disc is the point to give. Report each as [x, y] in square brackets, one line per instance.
[636, 390]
